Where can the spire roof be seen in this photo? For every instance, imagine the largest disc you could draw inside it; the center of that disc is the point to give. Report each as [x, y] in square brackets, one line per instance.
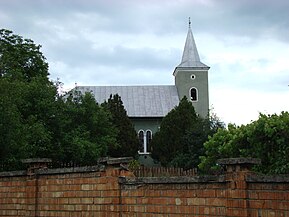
[191, 56]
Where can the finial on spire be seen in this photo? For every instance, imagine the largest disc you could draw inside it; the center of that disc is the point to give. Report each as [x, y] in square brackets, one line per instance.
[189, 22]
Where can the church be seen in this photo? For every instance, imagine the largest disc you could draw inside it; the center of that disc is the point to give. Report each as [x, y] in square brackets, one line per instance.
[147, 105]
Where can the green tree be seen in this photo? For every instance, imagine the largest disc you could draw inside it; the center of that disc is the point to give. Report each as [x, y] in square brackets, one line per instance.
[20, 58]
[26, 98]
[126, 137]
[85, 131]
[266, 138]
[182, 133]
[11, 127]
[35, 121]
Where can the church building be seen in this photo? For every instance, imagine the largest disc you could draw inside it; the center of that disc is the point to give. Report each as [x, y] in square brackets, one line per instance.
[147, 105]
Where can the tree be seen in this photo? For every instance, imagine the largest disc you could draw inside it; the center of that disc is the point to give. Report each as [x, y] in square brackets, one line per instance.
[126, 137]
[26, 98]
[20, 58]
[180, 139]
[85, 131]
[266, 138]
[35, 121]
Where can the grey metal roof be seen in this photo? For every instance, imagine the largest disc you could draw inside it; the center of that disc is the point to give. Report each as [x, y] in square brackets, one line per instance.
[139, 101]
[191, 56]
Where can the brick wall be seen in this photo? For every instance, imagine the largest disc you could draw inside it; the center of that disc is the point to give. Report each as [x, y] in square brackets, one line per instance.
[182, 196]
[268, 196]
[110, 190]
[14, 195]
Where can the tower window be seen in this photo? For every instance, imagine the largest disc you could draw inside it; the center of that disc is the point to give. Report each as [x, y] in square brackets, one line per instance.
[194, 94]
[193, 77]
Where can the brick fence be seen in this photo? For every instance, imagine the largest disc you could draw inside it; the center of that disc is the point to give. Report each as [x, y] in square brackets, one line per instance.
[109, 189]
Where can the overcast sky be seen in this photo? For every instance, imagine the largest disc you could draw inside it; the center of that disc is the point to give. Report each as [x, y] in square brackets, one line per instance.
[140, 42]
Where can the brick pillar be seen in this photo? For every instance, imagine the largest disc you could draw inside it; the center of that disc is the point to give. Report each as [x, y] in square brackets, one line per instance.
[237, 196]
[31, 190]
[30, 196]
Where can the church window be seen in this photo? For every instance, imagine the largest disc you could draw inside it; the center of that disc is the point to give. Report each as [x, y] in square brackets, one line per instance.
[141, 141]
[193, 77]
[148, 140]
[194, 94]
[145, 138]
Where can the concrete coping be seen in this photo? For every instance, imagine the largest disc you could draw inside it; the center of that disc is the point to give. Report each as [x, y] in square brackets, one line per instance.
[260, 178]
[13, 173]
[170, 180]
[36, 160]
[105, 160]
[115, 161]
[46, 171]
[239, 161]
[238, 164]
[85, 169]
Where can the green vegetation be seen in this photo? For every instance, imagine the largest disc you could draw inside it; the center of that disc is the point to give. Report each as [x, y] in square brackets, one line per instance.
[126, 136]
[35, 121]
[182, 134]
[266, 138]
[84, 130]
[27, 99]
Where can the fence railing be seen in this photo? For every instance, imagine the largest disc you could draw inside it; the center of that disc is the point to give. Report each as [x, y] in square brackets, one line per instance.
[143, 171]
[59, 164]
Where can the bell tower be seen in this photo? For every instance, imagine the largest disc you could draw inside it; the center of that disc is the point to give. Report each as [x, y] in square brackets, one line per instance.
[191, 77]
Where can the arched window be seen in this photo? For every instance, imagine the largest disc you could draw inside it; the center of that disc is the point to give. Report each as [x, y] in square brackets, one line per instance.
[141, 141]
[148, 140]
[145, 138]
[194, 94]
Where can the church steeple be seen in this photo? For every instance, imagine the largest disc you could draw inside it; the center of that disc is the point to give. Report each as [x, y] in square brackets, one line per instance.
[191, 56]
[191, 77]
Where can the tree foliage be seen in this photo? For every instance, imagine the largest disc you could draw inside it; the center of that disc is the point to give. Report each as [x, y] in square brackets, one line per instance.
[26, 98]
[84, 129]
[20, 58]
[126, 136]
[35, 121]
[179, 142]
[266, 138]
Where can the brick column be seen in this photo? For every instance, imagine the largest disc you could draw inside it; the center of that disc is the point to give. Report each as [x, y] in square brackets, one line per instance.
[237, 196]
[32, 190]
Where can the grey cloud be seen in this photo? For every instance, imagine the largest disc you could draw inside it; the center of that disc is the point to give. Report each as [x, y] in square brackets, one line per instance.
[81, 50]
[224, 17]
[232, 76]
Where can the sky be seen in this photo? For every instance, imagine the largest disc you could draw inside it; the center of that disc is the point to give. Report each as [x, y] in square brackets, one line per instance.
[140, 42]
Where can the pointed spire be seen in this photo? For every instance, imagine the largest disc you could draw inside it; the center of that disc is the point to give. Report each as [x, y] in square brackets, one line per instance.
[190, 54]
